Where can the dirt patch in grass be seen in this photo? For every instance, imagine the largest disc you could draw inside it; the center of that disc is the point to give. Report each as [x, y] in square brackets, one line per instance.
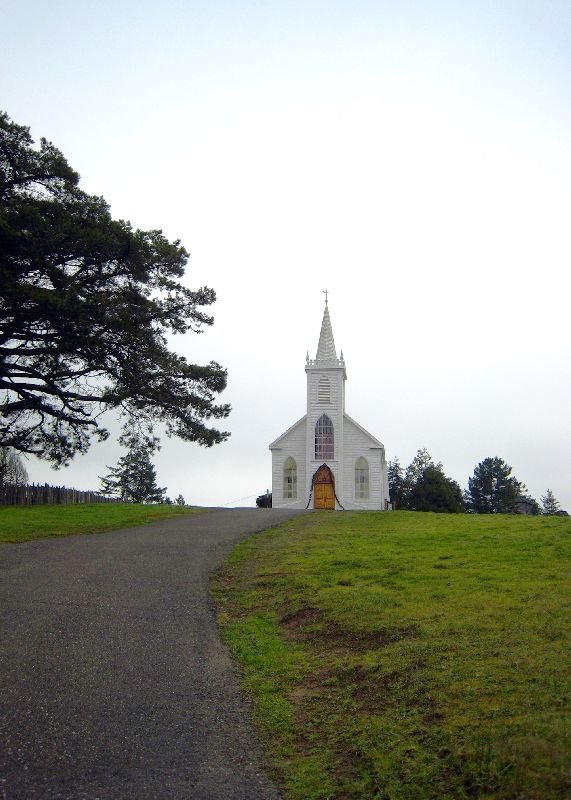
[309, 624]
[295, 624]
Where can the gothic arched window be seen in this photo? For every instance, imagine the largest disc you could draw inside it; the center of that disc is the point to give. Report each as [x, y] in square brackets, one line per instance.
[323, 438]
[290, 479]
[361, 479]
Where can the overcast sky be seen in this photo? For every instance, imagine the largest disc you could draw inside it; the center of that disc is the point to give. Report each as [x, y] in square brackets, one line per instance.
[413, 158]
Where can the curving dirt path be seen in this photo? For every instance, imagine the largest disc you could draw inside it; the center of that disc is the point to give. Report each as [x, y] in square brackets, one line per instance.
[116, 685]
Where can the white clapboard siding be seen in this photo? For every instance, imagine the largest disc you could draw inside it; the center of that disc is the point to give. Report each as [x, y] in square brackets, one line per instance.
[290, 444]
[359, 443]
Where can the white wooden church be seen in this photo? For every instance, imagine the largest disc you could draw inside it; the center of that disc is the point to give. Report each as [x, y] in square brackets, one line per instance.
[327, 460]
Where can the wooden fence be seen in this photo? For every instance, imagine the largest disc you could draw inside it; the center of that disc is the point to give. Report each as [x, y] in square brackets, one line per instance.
[36, 494]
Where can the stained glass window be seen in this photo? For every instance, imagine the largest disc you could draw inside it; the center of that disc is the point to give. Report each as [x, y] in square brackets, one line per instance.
[323, 438]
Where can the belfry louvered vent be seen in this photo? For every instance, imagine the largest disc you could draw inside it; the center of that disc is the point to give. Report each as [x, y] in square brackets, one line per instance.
[323, 390]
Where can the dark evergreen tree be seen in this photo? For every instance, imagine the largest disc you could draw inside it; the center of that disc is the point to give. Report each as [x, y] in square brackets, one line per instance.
[423, 486]
[492, 489]
[550, 505]
[413, 474]
[419, 463]
[134, 479]
[396, 484]
[86, 304]
[433, 491]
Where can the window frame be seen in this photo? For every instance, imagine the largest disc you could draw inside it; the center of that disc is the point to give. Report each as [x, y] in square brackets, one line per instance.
[290, 479]
[362, 479]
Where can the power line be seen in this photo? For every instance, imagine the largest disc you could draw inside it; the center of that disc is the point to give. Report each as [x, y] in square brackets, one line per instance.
[239, 500]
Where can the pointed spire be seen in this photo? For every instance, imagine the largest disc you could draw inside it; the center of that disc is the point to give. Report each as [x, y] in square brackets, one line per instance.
[326, 346]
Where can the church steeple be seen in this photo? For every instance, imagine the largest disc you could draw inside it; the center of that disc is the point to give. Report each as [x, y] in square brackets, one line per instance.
[326, 369]
[326, 347]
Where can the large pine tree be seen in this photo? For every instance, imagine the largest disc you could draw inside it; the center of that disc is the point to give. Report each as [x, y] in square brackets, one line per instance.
[492, 489]
[86, 303]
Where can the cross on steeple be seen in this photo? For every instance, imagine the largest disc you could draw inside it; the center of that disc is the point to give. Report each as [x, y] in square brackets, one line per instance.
[326, 346]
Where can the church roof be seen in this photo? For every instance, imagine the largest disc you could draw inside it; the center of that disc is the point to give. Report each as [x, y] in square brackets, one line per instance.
[374, 442]
[326, 346]
[277, 442]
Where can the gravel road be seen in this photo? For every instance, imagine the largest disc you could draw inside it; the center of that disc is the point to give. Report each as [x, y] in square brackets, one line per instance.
[115, 683]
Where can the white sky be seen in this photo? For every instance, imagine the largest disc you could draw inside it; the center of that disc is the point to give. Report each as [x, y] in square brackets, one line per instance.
[414, 158]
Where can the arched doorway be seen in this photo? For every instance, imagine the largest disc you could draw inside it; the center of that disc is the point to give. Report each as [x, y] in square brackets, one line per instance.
[323, 488]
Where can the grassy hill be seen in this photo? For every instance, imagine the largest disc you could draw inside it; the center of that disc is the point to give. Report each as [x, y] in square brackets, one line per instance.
[404, 656]
[24, 523]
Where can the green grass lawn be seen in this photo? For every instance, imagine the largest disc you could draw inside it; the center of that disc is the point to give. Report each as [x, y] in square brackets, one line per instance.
[403, 656]
[23, 523]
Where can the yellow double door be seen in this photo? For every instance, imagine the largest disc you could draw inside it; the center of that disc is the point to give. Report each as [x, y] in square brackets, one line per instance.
[323, 495]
